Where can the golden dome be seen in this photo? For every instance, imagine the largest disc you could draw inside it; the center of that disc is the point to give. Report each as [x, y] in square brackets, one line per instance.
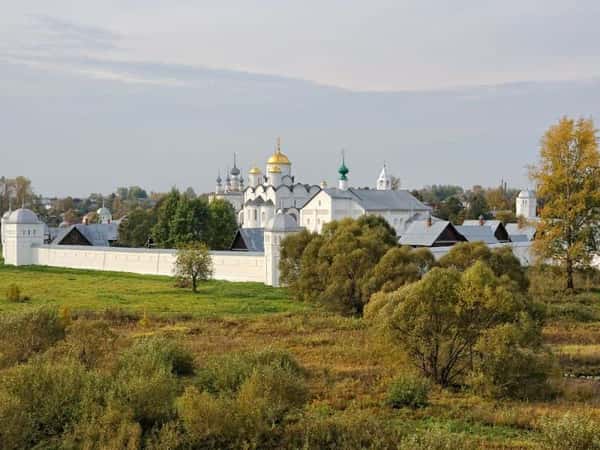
[274, 169]
[255, 171]
[278, 157]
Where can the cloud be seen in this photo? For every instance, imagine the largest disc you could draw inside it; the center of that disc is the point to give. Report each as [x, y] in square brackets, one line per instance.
[64, 35]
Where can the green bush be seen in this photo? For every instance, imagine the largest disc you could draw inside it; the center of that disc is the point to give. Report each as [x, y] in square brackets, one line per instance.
[408, 391]
[572, 432]
[146, 380]
[159, 352]
[39, 401]
[90, 342]
[226, 374]
[25, 334]
[512, 363]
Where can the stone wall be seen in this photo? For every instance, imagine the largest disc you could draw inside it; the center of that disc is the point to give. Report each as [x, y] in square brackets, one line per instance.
[230, 266]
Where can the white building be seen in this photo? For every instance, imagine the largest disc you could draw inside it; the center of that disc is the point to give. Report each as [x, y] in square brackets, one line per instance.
[399, 207]
[275, 190]
[233, 188]
[527, 205]
[21, 230]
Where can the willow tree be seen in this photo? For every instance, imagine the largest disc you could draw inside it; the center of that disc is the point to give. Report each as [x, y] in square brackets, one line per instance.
[568, 179]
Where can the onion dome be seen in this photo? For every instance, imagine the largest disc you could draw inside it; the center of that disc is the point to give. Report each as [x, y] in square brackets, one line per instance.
[255, 171]
[235, 171]
[278, 157]
[219, 179]
[343, 171]
[23, 216]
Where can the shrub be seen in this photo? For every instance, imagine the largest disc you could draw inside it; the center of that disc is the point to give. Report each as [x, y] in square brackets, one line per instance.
[25, 334]
[159, 352]
[572, 432]
[39, 401]
[146, 379]
[110, 428]
[512, 363]
[408, 391]
[90, 342]
[226, 374]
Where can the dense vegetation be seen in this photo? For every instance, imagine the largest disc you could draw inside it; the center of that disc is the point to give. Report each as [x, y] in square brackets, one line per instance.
[81, 373]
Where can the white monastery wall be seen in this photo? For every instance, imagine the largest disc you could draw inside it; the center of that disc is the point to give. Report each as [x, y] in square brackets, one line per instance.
[229, 266]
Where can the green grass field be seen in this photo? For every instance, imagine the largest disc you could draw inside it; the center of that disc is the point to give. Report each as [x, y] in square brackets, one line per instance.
[157, 295]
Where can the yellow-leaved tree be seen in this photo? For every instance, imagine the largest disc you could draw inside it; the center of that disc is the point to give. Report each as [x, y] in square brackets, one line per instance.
[568, 180]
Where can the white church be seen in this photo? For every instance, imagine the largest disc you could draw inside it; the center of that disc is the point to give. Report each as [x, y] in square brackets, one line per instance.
[310, 205]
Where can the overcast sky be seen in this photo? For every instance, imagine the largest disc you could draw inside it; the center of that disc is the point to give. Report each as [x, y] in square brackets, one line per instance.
[169, 89]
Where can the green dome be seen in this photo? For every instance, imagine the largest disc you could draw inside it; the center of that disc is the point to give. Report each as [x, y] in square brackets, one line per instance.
[343, 171]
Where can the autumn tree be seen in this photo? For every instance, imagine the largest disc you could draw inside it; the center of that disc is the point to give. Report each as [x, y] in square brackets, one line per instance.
[194, 263]
[568, 179]
[440, 319]
[333, 267]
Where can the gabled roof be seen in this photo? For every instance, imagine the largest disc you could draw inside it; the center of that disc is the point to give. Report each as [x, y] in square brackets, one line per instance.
[493, 224]
[513, 230]
[249, 239]
[98, 234]
[374, 200]
[424, 234]
[478, 233]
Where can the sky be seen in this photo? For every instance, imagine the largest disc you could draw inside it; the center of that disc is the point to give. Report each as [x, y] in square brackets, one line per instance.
[95, 95]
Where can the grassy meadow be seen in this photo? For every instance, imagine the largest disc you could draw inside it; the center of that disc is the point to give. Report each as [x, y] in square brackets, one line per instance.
[348, 369]
[83, 290]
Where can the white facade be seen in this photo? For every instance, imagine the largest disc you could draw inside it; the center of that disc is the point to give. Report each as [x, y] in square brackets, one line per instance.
[328, 205]
[526, 205]
[21, 230]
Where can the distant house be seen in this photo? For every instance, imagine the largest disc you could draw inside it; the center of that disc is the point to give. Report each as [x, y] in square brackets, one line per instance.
[429, 233]
[478, 234]
[249, 240]
[97, 235]
[498, 228]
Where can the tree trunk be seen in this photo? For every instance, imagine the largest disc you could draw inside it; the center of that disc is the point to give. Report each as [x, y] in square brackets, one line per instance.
[570, 283]
[194, 288]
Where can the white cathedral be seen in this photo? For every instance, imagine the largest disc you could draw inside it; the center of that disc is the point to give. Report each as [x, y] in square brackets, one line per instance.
[311, 205]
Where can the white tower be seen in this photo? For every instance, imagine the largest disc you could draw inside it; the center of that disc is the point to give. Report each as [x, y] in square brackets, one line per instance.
[527, 205]
[219, 188]
[384, 182]
[276, 229]
[22, 231]
[343, 171]
[254, 177]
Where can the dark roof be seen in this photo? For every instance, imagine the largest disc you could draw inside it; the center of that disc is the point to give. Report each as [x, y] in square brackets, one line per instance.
[98, 234]
[249, 239]
[375, 200]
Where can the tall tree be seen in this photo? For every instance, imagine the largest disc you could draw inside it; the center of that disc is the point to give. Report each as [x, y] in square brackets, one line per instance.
[222, 225]
[136, 229]
[190, 221]
[568, 178]
[166, 210]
